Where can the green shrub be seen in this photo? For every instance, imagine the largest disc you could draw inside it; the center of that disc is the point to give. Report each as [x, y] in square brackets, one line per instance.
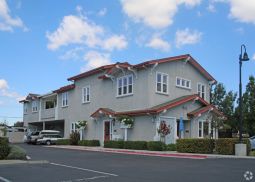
[170, 147]
[114, 144]
[155, 146]
[252, 153]
[4, 148]
[4, 140]
[204, 146]
[136, 145]
[17, 152]
[63, 142]
[74, 138]
[89, 143]
[226, 146]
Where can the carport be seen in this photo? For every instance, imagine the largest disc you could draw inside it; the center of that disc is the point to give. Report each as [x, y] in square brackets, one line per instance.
[58, 125]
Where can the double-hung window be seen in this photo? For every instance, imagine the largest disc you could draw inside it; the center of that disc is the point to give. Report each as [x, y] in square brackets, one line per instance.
[64, 99]
[34, 106]
[162, 83]
[205, 129]
[74, 127]
[86, 94]
[201, 90]
[125, 85]
[183, 83]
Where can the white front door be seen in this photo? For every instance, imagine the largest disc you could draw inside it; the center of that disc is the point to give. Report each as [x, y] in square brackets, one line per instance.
[170, 122]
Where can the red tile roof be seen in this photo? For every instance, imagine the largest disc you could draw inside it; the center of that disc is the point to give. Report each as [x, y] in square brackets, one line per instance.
[202, 110]
[153, 110]
[64, 89]
[109, 68]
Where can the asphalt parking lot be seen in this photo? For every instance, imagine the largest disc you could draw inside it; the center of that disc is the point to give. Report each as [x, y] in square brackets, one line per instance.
[70, 165]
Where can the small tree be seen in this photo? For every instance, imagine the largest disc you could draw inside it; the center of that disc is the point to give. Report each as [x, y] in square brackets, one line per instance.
[74, 138]
[81, 125]
[19, 124]
[163, 130]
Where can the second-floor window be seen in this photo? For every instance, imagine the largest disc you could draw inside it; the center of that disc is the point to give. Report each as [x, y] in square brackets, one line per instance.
[64, 99]
[86, 94]
[125, 85]
[162, 83]
[201, 90]
[183, 83]
[25, 108]
[34, 106]
[49, 104]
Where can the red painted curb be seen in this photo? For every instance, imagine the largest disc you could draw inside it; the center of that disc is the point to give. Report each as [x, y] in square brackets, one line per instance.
[156, 154]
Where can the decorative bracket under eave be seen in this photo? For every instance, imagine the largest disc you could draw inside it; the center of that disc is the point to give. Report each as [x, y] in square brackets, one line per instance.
[154, 66]
[134, 71]
[117, 66]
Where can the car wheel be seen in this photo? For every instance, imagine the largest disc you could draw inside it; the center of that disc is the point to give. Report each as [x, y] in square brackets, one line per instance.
[48, 142]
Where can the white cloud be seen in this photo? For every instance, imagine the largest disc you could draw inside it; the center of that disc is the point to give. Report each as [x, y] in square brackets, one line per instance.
[72, 54]
[7, 23]
[94, 59]
[154, 13]
[253, 57]
[80, 30]
[6, 92]
[211, 8]
[3, 84]
[186, 36]
[158, 43]
[74, 30]
[243, 10]
[115, 42]
[102, 12]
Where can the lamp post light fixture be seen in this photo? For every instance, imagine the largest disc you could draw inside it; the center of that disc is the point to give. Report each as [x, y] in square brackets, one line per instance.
[242, 58]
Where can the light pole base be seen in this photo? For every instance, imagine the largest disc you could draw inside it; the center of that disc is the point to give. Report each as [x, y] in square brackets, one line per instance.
[240, 149]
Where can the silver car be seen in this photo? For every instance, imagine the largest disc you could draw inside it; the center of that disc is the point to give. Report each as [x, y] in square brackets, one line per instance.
[252, 141]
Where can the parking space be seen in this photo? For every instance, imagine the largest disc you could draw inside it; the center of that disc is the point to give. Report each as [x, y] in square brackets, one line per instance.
[51, 172]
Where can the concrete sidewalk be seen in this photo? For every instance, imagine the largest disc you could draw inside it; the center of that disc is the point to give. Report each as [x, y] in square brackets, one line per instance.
[149, 153]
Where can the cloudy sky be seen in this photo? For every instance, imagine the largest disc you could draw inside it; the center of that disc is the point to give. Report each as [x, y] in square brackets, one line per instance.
[44, 42]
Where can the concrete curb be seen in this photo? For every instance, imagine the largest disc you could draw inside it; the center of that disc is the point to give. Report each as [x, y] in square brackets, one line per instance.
[151, 153]
[11, 162]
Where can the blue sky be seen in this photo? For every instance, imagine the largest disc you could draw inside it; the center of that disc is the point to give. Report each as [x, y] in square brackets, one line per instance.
[45, 42]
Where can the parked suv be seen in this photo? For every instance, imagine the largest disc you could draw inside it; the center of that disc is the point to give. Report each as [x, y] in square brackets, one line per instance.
[48, 139]
[32, 137]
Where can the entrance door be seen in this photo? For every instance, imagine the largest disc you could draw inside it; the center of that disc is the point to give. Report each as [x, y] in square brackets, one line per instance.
[106, 130]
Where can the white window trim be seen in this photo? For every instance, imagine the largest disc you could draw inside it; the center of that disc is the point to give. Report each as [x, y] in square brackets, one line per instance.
[75, 129]
[167, 83]
[67, 98]
[117, 86]
[202, 132]
[200, 95]
[85, 92]
[180, 86]
[36, 106]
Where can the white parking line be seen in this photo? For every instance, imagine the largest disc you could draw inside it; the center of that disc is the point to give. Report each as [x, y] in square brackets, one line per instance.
[4, 179]
[86, 179]
[84, 169]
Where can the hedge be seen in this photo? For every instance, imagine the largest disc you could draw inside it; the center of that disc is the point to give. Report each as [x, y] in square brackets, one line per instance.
[136, 145]
[114, 144]
[17, 152]
[155, 146]
[170, 147]
[4, 148]
[89, 143]
[63, 142]
[226, 146]
[203, 146]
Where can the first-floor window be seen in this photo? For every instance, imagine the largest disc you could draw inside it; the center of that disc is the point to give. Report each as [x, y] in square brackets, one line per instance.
[64, 99]
[86, 94]
[205, 129]
[74, 127]
[34, 106]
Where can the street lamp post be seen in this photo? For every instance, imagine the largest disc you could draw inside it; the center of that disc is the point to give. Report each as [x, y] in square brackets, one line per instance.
[243, 57]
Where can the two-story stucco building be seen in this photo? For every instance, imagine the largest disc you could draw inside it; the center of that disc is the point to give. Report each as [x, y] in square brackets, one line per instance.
[150, 92]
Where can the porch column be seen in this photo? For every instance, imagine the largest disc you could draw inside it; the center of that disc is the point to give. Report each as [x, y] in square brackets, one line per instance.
[125, 137]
